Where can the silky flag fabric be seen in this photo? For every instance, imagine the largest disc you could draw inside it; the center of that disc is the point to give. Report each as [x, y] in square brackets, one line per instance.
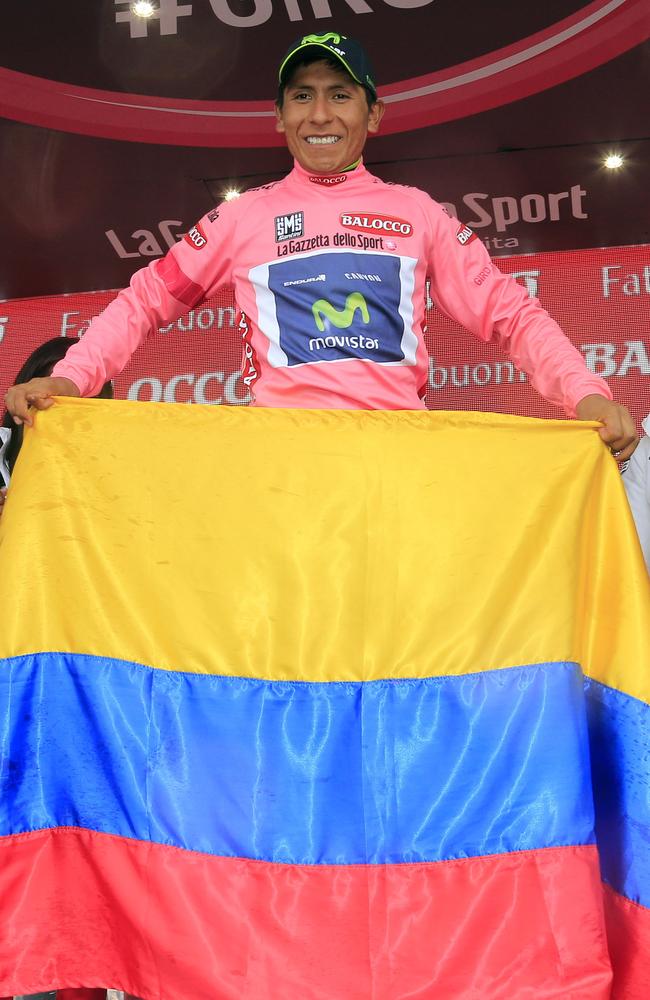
[322, 705]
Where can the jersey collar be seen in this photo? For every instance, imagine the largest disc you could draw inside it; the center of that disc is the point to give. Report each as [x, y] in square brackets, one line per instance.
[342, 181]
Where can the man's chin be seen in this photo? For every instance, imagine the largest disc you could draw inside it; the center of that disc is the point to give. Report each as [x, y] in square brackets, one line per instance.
[321, 165]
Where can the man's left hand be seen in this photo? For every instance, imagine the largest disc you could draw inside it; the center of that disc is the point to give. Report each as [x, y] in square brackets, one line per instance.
[618, 430]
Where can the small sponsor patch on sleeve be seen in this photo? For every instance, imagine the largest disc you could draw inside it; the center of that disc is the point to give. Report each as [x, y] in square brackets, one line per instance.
[196, 237]
[465, 235]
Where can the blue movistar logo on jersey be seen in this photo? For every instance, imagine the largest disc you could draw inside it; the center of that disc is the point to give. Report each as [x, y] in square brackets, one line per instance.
[338, 306]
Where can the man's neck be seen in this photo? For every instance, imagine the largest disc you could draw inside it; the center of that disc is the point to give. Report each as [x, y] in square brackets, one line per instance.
[350, 169]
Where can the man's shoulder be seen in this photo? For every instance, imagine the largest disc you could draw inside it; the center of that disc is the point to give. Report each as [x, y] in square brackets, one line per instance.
[263, 188]
[262, 191]
[231, 212]
[408, 193]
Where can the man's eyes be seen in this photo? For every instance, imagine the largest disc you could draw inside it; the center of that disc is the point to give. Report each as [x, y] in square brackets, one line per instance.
[306, 96]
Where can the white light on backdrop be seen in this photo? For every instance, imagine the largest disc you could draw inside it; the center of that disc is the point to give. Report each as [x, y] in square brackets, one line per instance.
[143, 8]
[614, 161]
[231, 194]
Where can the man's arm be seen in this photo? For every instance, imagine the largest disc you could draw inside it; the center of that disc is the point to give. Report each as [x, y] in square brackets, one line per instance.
[157, 294]
[468, 287]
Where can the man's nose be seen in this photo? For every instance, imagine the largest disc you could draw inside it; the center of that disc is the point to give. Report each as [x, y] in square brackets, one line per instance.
[321, 110]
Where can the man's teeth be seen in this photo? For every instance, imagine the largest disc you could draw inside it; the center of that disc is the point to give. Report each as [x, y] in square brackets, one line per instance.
[322, 140]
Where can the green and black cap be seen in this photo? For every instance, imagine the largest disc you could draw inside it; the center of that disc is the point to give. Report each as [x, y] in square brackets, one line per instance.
[347, 51]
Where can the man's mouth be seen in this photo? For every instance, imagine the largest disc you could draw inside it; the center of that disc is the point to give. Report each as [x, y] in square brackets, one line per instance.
[322, 140]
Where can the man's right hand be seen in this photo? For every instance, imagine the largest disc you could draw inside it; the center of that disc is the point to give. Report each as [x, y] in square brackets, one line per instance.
[36, 393]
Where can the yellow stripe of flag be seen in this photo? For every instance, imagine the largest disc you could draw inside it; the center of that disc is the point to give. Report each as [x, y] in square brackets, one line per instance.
[321, 545]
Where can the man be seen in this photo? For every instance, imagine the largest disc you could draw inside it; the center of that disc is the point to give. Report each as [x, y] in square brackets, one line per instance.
[329, 268]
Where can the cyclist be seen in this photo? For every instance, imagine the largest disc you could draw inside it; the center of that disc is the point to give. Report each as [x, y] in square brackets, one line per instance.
[329, 268]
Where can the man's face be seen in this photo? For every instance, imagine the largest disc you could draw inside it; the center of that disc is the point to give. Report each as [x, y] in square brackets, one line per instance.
[325, 118]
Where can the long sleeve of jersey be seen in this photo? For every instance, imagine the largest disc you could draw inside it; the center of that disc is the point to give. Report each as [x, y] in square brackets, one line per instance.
[469, 288]
[157, 295]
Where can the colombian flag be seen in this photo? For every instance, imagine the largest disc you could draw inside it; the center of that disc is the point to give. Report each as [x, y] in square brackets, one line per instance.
[339, 705]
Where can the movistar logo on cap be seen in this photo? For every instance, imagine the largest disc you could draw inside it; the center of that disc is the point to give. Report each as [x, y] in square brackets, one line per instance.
[322, 39]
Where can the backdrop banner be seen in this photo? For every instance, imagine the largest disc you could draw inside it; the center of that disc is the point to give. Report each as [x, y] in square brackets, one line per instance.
[130, 128]
[322, 704]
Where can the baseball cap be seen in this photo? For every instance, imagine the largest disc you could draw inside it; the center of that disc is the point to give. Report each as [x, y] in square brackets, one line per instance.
[347, 51]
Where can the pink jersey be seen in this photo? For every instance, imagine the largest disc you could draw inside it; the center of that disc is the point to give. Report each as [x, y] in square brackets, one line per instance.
[329, 273]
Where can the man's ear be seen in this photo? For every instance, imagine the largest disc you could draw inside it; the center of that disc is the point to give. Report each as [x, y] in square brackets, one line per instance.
[279, 124]
[375, 116]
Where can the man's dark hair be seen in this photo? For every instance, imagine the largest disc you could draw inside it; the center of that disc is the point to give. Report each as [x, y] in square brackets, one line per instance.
[39, 364]
[312, 57]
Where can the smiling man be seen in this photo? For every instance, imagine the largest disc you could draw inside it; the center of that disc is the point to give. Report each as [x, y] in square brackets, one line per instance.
[329, 267]
[325, 109]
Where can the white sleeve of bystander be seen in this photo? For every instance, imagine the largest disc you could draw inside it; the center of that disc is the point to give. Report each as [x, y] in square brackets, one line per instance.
[636, 479]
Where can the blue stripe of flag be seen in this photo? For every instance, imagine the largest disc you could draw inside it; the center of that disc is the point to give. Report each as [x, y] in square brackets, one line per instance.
[301, 773]
[619, 736]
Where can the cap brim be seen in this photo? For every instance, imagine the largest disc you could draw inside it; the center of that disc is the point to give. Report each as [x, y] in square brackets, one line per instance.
[302, 49]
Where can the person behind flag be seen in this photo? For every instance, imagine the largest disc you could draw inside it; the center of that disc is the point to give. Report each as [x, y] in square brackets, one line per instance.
[636, 479]
[38, 365]
[329, 266]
